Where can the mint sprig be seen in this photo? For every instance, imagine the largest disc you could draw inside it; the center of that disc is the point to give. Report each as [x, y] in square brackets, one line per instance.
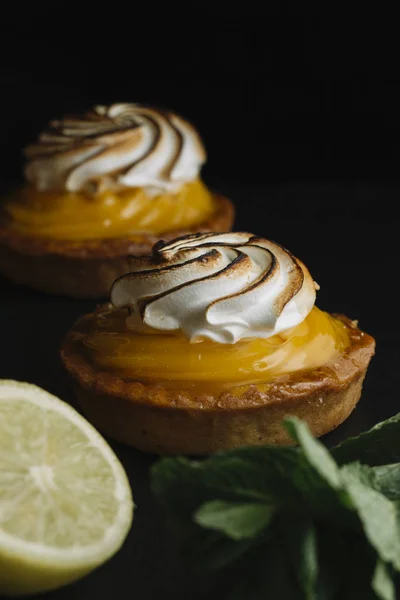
[292, 523]
[378, 446]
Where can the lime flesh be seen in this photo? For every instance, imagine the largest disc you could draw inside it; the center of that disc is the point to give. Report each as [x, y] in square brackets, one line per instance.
[65, 502]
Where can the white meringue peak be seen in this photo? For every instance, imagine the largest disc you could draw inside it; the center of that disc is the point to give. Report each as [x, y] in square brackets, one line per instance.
[225, 287]
[116, 147]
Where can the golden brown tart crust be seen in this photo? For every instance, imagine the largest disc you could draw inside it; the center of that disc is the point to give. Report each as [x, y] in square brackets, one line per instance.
[86, 269]
[163, 421]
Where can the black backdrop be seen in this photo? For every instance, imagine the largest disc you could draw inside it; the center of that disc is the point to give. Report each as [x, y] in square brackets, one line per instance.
[276, 98]
[301, 120]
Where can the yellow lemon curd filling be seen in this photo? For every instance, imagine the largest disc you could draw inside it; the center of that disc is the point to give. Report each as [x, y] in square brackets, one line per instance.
[79, 216]
[170, 360]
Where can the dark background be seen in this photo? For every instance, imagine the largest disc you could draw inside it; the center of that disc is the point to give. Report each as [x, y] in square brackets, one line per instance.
[276, 98]
[301, 119]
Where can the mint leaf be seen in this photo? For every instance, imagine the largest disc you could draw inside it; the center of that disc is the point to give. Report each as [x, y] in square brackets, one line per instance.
[262, 474]
[334, 558]
[377, 514]
[289, 522]
[361, 563]
[208, 550]
[387, 480]
[265, 571]
[237, 521]
[301, 539]
[316, 454]
[231, 475]
[378, 446]
[382, 582]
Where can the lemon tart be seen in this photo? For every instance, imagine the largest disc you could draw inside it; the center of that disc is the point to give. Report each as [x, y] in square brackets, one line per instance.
[209, 343]
[101, 187]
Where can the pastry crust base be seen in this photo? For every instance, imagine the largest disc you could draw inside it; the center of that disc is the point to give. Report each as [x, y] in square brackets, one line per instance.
[86, 269]
[161, 421]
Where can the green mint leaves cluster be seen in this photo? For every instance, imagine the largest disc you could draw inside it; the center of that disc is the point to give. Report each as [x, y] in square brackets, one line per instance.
[292, 523]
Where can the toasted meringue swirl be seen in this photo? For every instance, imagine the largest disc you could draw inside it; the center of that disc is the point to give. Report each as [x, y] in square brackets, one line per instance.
[224, 287]
[115, 147]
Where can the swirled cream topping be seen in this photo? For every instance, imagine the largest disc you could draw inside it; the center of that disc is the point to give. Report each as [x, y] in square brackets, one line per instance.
[116, 147]
[224, 287]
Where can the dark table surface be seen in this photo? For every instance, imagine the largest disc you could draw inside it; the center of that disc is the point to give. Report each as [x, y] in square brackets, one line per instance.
[348, 236]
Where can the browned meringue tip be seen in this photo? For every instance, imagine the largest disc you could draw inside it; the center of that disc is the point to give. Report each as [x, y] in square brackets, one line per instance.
[224, 286]
[132, 145]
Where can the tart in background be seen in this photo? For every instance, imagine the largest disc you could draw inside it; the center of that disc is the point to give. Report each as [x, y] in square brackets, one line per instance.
[101, 187]
[209, 344]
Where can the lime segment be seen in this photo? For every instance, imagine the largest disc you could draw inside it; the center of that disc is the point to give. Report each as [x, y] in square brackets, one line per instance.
[65, 502]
